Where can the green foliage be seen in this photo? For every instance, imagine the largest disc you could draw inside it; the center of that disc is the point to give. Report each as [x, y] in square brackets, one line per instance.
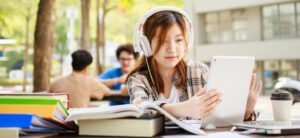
[119, 27]
[62, 24]
[9, 82]
[120, 22]
[13, 57]
[13, 18]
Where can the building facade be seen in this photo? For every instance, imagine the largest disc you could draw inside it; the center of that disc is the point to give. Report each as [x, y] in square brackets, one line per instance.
[269, 30]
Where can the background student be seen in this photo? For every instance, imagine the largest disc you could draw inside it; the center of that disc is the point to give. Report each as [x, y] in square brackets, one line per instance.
[78, 84]
[115, 77]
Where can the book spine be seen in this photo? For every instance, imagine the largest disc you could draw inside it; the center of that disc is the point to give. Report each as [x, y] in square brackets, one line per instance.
[28, 101]
[41, 110]
[16, 120]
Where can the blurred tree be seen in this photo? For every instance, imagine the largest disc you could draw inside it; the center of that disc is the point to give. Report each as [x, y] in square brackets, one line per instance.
[118, 26]
[13, 56]
[28, 15]
[62, 26]
[85, 28]
[100, 38]
[120, 23]
[43, 44]
[15, 20]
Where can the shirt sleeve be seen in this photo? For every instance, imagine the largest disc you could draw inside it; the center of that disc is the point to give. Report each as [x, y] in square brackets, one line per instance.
[105, 75]
[203, 72]
[197, 75]
[137, 89]
[97, 89]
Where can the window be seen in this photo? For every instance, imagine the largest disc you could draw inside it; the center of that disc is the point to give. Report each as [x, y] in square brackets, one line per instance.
[239, 25]
[280, 21]
[225, 26]
[270, 22]
[287, 20]
[212, 27]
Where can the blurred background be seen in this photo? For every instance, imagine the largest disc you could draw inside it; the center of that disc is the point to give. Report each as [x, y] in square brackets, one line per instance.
[266, 29]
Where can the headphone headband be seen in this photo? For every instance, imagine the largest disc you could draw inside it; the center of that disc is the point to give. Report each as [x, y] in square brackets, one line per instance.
[138, 37]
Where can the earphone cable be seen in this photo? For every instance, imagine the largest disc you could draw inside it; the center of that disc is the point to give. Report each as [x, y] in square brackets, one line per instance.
[150, 72]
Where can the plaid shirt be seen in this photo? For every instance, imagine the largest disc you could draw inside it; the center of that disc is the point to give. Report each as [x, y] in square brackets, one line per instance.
[140, 89]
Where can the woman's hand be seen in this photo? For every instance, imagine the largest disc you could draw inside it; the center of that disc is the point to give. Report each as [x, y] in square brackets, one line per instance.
[252, 97]
[203, 103]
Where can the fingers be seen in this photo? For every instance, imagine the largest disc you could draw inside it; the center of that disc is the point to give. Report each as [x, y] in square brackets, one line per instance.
[207, 113]
[252, 82]
[258, 88]
[213, 101]
[210, 108]
[211, 94]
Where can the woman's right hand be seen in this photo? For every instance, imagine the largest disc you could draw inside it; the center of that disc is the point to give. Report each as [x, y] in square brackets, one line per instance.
[203, 103]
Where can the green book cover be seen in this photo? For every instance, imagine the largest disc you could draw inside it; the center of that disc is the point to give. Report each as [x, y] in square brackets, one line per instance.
[35, 101]
[29, 97]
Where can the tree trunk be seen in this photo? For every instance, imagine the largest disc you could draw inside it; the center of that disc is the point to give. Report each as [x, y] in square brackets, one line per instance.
[26, 56]
[85, 32]
[61, 61]
[100, 34]
[43, 46]
[98, 68]
[102, 40]
[54, 41]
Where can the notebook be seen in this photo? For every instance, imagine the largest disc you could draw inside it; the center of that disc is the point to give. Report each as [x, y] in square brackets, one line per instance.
[271, 127]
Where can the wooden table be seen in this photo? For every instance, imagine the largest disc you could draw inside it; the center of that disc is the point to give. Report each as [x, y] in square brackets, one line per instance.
[115, 96]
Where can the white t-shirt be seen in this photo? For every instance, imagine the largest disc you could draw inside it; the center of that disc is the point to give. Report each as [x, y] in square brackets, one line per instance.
[173, 98]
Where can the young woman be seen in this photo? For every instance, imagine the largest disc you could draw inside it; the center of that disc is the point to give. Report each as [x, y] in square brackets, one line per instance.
[179, 86]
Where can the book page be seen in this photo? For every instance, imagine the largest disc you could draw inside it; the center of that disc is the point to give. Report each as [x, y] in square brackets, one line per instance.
[192, 129]
[104, 112]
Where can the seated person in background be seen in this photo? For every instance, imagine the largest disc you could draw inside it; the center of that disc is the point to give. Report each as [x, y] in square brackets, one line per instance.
[115, 78]
[81, 87]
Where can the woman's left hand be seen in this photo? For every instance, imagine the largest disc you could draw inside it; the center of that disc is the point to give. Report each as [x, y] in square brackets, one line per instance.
[252, 97]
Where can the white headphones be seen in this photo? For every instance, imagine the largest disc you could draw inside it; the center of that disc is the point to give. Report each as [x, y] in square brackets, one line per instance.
[141, 43]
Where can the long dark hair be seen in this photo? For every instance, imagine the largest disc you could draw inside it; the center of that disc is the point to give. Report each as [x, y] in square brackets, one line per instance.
[162, 21]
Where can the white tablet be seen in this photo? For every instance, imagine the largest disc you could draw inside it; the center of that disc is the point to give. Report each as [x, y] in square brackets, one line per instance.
[232, 76]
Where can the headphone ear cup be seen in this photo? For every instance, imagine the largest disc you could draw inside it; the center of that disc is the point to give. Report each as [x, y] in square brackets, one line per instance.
[145, 45]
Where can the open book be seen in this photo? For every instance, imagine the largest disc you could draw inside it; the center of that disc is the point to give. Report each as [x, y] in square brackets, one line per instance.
[128, 110]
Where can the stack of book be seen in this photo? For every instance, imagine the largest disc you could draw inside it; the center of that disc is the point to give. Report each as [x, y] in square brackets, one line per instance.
[34, 113]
